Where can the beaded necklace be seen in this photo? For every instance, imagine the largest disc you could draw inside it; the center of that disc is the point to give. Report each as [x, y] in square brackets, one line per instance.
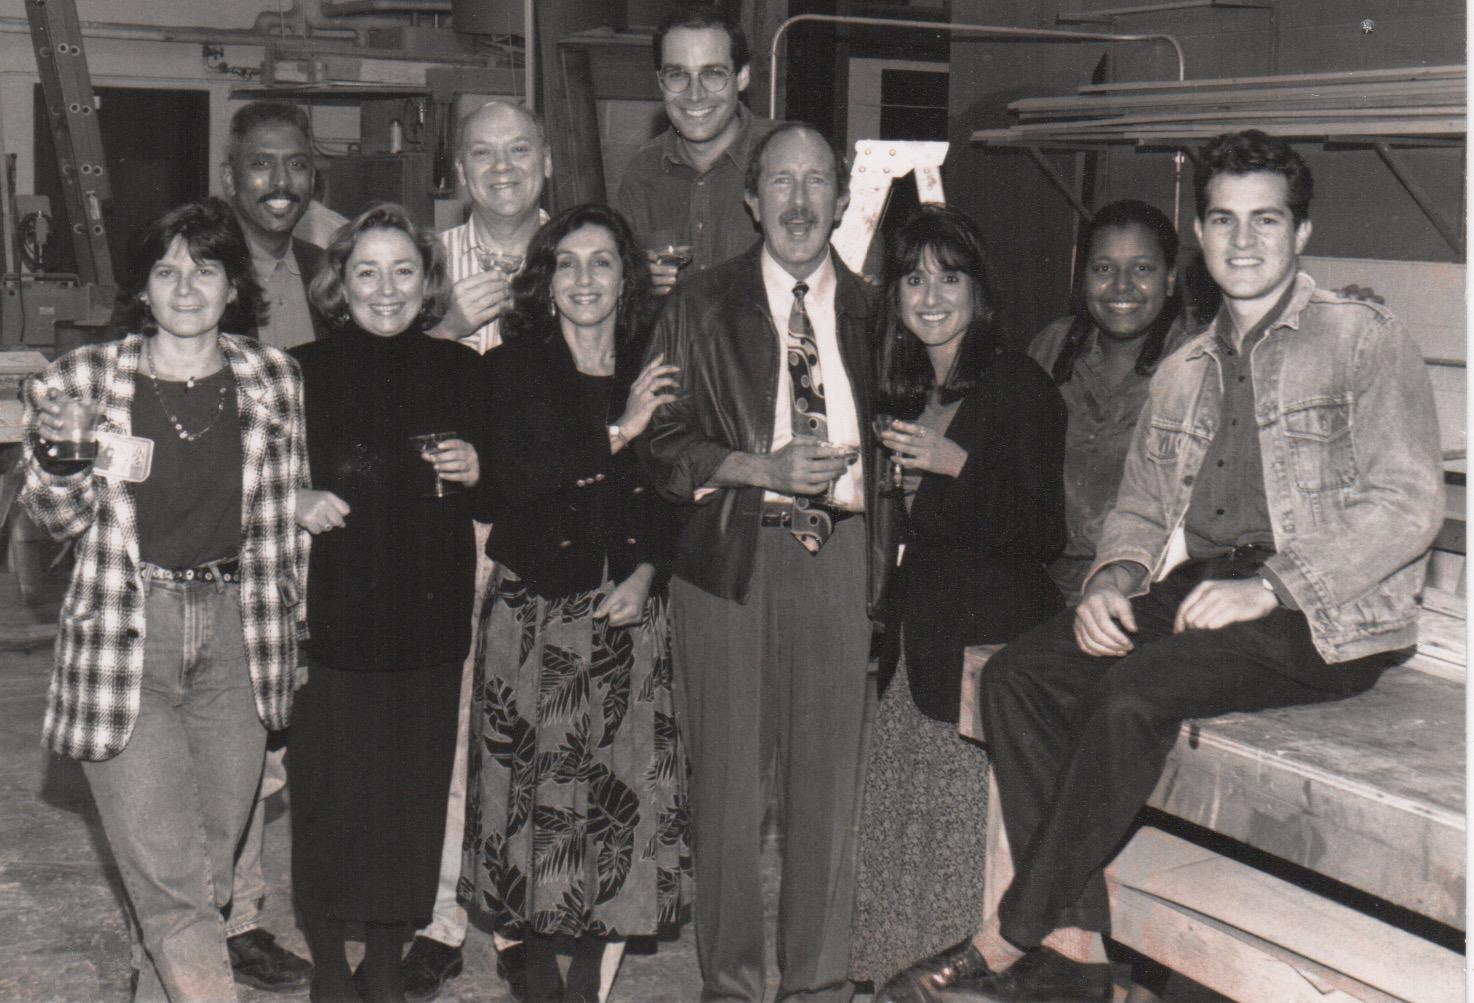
[187, 436]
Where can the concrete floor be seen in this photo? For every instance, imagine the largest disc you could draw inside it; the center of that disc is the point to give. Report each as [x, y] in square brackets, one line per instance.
[63, 936]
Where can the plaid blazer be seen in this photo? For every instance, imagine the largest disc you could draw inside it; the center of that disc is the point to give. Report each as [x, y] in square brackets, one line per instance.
[93, 700]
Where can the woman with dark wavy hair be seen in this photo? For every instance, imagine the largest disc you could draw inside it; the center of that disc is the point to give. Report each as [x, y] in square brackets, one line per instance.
[576, 817]
[177, 646]
[1128, 318]
[978, 436]
[389, 597]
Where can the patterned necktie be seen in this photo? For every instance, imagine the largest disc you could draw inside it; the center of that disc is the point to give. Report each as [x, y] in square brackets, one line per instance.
[810, 525]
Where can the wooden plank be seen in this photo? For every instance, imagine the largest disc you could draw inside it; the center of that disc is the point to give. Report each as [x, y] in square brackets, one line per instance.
[1344, 948]
[1127, 122]
[1447, 72]
[1369, 791]
[1209, 97]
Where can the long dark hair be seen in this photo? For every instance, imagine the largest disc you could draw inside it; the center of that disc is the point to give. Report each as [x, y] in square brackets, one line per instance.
[210, 230]
[533, 315]
[1118, 214]
[326, 291]
[906, 375]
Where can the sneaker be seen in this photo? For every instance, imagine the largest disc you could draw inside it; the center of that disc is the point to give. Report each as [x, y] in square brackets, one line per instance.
[257, 960]
[427, 967]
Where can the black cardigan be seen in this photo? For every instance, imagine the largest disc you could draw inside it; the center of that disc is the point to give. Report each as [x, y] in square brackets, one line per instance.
[392, 589]
[542, 444]
[977, 545]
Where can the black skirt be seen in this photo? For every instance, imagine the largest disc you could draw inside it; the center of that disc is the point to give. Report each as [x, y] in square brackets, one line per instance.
[368, 764]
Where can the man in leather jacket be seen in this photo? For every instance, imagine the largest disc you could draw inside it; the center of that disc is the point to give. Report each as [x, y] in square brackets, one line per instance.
[770, 640]
[1266, 549]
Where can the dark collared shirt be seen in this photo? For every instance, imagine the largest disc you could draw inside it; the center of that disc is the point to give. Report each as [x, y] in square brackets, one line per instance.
[1229, 507]
[668, 202]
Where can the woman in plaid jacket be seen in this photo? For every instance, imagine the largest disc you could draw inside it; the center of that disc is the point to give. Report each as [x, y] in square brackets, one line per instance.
[178, 638]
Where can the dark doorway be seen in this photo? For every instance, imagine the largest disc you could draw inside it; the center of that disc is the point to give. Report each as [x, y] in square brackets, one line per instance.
[157, 145]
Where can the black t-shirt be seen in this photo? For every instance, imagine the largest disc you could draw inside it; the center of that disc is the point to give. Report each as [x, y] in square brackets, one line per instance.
[189, 508]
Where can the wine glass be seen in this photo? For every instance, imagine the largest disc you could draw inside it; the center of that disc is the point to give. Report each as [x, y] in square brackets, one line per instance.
[426, 446]
[893, 475]
[492, 261]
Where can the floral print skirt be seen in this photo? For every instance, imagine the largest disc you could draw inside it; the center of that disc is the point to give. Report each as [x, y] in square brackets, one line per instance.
[576, 813]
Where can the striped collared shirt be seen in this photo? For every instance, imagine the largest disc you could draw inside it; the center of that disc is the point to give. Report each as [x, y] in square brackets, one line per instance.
[459, 243]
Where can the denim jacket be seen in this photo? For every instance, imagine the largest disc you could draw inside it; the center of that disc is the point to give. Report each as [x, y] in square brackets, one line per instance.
[1350, 447]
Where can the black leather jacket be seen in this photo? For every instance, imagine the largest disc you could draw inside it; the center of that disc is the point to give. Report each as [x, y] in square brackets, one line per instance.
[716, 328]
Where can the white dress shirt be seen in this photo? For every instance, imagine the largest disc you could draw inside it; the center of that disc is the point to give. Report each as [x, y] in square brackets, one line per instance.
[839, 399]
[460, 243]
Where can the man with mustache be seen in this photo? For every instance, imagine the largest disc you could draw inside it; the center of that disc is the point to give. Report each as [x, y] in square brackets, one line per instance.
[267, 175]
[780, 555]
[1265, 550]
[685, 187]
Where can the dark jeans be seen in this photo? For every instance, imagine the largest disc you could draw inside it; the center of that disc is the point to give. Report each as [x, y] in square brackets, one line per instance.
[1078, 743]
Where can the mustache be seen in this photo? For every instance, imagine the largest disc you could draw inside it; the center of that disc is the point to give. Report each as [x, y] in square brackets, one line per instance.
[797, 215]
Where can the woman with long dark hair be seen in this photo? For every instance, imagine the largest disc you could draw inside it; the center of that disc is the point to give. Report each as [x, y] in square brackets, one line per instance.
[177, 645]
[978, 435]
[576, 818]
[1129, 317]
[394, 420]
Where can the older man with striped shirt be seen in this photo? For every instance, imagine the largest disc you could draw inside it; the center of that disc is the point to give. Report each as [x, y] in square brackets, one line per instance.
[502, 162]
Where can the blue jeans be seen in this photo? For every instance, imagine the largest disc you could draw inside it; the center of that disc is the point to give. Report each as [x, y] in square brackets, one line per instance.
[175, 801]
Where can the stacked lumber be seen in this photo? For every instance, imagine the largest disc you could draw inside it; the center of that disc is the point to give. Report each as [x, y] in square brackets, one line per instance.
[1421, 101]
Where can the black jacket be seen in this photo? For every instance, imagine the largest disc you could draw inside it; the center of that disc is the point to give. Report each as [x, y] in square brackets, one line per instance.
[976, 545]
[549, 530]
[716, 327]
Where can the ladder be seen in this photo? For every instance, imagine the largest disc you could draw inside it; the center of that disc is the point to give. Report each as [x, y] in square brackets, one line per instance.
[71, 114]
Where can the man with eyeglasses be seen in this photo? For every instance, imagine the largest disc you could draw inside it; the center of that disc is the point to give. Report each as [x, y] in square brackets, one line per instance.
[682, 192]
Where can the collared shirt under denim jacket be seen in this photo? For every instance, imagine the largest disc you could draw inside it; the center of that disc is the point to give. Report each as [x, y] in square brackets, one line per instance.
[1352, 468]
[93, 701]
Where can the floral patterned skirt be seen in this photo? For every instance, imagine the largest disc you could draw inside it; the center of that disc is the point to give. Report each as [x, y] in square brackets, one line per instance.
[576, 813]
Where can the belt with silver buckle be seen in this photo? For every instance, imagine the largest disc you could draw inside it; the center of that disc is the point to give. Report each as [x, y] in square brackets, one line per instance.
[226, 571]
[781, 513]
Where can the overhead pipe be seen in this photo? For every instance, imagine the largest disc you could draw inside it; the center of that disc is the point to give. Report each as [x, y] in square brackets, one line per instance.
[166, 33]
[307, 17]
[995, 30]
[353, 8]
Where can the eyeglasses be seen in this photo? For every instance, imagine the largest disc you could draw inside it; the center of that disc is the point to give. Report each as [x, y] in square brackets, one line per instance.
[676, 80]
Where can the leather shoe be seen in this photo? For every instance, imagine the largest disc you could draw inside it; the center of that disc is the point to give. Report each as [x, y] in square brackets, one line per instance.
[427, 966]
[257, 960]
[511, 968]
[924, 981]
[1040, 976]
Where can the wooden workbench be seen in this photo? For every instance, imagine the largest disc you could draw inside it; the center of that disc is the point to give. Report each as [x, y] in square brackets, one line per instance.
[1368, 792]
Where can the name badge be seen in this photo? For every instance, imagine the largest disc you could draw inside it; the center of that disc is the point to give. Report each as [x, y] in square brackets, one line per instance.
[127, 458]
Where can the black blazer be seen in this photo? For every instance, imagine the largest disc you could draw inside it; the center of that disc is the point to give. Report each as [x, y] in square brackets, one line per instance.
[542, 444]
[716, 327]
[976, 545]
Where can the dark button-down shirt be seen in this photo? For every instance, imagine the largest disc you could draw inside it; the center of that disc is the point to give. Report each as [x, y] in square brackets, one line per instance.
[1229, 507]
[668, 202]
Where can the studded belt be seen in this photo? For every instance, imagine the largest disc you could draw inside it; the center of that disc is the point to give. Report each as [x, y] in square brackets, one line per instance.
[225, 571]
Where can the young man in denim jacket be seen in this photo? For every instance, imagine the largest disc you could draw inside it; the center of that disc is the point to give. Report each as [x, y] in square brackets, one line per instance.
[1266, 549]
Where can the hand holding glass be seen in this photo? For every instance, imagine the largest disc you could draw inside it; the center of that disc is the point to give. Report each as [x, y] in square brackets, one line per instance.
[427, 446]
[72, 435]
[491, 261]
[893, 475]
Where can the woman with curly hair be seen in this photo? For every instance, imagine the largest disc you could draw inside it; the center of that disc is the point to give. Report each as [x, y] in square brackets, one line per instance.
[177, 647]
[576, 820]
[394, 421]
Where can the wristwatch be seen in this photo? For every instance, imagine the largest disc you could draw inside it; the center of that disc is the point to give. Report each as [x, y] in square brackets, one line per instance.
[1269, 587]
[615, 432]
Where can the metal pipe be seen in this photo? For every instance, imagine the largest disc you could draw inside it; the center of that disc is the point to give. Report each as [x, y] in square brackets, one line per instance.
[172, 33]
[350, 8]
[999, 31]
[529, 52]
